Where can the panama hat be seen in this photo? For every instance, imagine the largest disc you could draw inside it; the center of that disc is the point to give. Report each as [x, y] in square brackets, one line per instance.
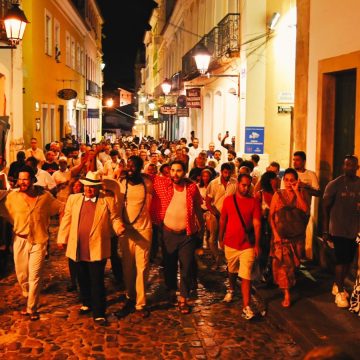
[92, 178]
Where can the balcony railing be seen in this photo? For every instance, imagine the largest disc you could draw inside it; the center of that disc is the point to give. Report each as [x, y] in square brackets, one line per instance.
[223, 42]
[229, 35]
[92, 88]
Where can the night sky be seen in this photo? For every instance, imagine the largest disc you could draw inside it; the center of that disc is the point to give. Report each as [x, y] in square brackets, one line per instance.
[124, 29]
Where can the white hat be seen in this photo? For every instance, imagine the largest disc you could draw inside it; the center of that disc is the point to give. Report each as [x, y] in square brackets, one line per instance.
[63, 158]
[92, 178]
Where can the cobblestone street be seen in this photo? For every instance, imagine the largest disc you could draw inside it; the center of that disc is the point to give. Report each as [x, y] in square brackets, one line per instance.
[213, 329]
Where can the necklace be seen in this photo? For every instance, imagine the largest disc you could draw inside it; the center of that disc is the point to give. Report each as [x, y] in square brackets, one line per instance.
[125, 202]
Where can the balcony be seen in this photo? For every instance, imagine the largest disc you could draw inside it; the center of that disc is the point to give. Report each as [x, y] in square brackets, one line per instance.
[92, 89]
[223, 42]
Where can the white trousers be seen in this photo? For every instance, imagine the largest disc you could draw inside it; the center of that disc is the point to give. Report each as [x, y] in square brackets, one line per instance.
[135, 248]
[29, 260]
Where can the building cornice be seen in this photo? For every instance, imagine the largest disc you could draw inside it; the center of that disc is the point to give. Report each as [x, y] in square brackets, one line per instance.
[72, 15]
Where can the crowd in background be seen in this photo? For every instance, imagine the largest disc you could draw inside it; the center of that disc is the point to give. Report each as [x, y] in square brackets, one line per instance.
[168, 200]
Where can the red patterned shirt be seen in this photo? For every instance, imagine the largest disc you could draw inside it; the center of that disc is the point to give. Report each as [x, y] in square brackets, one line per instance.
[163, 191]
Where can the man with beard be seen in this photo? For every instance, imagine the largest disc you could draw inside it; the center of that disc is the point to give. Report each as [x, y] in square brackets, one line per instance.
[341, 211]
[177, 206]
[240, 213]
[218, 189]
[135, 197]
[29, 210]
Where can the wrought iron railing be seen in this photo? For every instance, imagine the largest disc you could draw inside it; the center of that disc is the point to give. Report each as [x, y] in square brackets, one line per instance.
[222, 41]
[229, 34]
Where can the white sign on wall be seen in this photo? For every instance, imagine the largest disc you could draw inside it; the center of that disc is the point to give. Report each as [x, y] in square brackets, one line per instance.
[286, 97]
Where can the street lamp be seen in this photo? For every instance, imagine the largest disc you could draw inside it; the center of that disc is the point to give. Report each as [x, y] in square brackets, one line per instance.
[202, 59]
[15, 23]
[109, 102]
[166, 86]
[273, 21]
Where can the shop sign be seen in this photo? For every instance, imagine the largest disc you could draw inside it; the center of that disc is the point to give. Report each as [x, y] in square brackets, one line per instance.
[67, 94]
[193, 98]
[93, 113]
[181, 101]
[168, 110]
[254, 140]
[183, 112]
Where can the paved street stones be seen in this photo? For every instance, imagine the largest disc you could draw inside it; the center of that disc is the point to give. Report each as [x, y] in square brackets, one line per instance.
[213, 330]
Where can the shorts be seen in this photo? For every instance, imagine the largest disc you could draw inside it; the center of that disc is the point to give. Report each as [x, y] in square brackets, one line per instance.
[240, 261]
[345, 249]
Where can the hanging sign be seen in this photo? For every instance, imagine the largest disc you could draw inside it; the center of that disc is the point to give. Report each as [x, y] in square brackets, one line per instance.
[67, 94]
[168, 110]
[193, 98]
[182, 112]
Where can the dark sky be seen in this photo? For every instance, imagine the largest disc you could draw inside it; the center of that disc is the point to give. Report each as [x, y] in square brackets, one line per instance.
[124, 28]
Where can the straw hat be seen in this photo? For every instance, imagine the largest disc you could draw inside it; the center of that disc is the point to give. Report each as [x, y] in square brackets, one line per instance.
[92, 179]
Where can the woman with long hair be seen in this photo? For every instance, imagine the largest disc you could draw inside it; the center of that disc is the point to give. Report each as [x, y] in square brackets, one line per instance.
[269, 184]
[288, 219]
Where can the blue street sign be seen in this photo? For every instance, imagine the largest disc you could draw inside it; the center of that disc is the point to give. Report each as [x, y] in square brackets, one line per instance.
[254, 140]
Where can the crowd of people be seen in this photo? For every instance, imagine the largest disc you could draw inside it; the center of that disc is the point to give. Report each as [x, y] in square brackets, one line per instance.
[141, 200]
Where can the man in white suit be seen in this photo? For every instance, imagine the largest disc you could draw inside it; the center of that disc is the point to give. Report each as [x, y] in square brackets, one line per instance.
[86, 229]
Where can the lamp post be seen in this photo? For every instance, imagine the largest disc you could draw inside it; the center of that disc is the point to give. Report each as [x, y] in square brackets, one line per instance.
[15, 23]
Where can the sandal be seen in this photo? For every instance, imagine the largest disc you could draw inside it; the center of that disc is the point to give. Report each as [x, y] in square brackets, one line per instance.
[184, 307]
[24, 312]
[34, 316]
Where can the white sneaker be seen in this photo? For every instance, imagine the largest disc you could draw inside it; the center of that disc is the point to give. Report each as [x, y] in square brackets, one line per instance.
[229, 296]
[341, 300]
[247, 313]
[335, 290]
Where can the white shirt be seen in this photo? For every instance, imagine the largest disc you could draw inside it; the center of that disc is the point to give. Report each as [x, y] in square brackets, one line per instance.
[309, 177]
[193, 153]
[61, 176]
[217, 192]
[45, 180]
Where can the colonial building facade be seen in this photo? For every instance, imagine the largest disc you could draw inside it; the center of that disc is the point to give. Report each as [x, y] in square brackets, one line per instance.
[293, 85]
[62, 70]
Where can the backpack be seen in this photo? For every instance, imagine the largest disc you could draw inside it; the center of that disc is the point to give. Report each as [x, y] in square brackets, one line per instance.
[290, 222]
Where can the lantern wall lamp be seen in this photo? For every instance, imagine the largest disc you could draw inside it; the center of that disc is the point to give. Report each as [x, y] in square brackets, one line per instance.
[15, 23]
[202, 59]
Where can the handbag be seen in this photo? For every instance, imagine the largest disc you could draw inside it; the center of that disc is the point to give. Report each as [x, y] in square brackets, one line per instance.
[290, 221]
[249, 233]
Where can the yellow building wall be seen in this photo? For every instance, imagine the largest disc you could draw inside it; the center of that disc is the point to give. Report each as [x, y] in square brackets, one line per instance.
[42, 74]
[280, 81]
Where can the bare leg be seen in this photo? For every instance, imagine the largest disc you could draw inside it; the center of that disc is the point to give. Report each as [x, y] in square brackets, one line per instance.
[232, 280]
[287, 301]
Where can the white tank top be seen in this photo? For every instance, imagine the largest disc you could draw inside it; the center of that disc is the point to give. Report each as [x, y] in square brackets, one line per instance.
[175, 216]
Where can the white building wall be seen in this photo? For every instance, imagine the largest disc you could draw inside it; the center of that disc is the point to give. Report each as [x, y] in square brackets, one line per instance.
[11, 68]
[334, 30]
